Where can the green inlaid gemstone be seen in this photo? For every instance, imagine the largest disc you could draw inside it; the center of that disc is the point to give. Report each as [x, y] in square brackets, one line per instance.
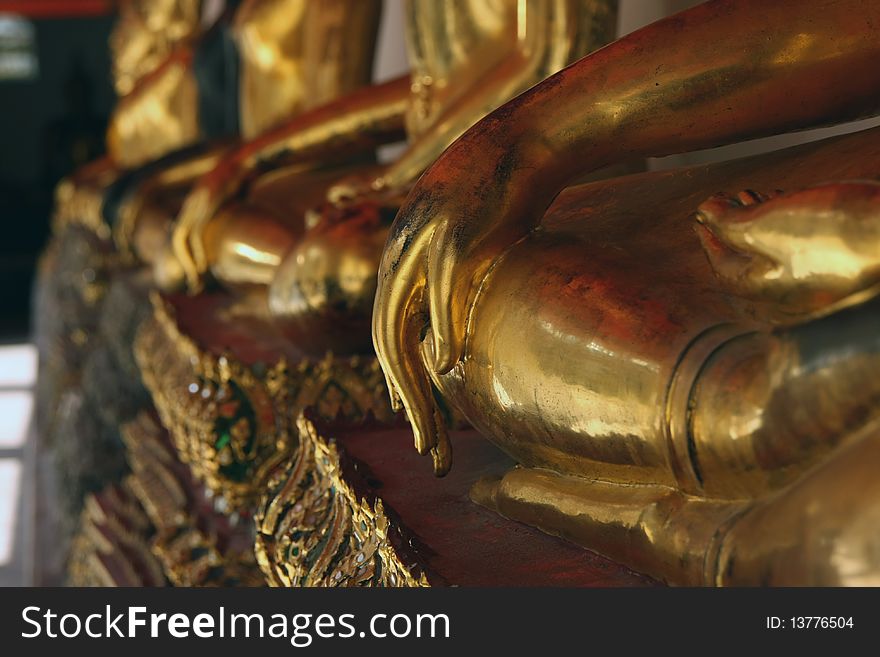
[223, 440]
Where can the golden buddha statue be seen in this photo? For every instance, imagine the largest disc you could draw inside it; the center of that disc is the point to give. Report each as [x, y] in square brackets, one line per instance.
[318, 269]
[145, 35]
[292, 55]
[257, 65]
[685, 377]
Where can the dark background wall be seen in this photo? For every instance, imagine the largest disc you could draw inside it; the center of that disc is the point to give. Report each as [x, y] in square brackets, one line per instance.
[48, 125]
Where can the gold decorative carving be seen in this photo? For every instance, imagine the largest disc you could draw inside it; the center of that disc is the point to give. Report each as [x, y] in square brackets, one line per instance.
[189, 554]
[314, 529]
[230, 422]
[112, 545]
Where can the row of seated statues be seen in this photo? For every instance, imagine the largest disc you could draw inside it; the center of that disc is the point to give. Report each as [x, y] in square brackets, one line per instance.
[678, 364]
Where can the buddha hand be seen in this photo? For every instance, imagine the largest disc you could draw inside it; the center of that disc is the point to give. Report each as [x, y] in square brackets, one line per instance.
[807, 252]
[199, 207]
[459, 217]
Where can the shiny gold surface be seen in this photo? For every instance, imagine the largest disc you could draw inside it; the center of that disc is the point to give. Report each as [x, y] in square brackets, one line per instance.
[158, 116]
[335, 134]
[660, 357]
[247, 239]
[313, 529]
[293, 55]
[647, 96]
[670, 365]
[468, 57]
[805, 252]
[145, 33]
[298, 54]
[141, 225]
[321, 292]
[151, 43]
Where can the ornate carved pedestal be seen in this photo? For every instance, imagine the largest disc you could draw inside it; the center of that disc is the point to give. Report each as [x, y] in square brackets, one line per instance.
[358, 507]
[196, 545]
[339, 495]
[112, 545]
[228, 388]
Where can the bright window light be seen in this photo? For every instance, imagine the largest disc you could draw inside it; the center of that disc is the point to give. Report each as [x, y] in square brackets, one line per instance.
[18, 366]
[10, 479]
[16, 407]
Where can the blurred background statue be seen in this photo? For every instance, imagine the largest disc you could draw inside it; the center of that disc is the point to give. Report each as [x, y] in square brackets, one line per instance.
[318, 268]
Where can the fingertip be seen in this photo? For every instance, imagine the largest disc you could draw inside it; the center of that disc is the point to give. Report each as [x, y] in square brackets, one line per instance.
[396, 406]
[712, 245]
[444, 358]
[442, 455]
[396, 403]
[706, 220]
[425, 426]
[447, 349]
[420, 438]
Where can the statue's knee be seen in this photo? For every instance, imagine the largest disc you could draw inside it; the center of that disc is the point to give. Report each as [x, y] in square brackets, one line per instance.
[323, 291]
[768, 405]
[736, 442]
